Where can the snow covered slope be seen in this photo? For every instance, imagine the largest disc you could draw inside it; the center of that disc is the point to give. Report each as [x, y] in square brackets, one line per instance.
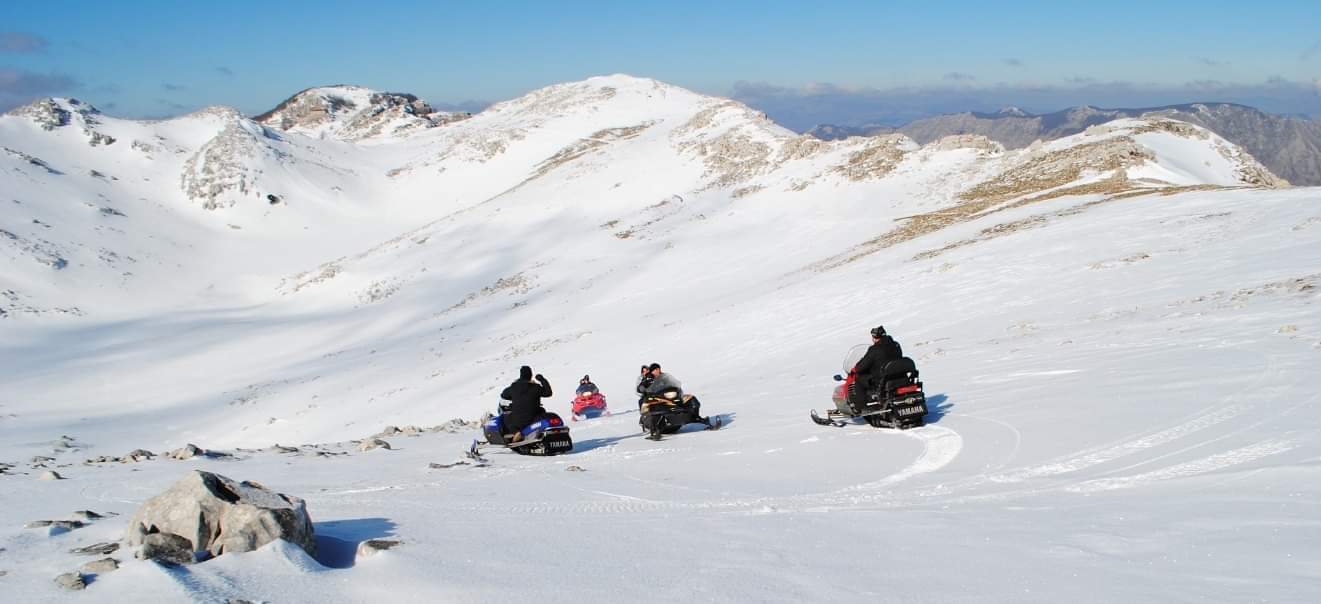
[1114, 329]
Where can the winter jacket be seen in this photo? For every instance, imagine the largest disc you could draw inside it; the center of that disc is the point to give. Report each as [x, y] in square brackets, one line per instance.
[525, 402]
[878, 354]
[661, 383]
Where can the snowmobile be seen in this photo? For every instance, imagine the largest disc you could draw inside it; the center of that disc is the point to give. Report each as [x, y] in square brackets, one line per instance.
[589, 403]
[547, 435]
[895, 400]
[667, 411]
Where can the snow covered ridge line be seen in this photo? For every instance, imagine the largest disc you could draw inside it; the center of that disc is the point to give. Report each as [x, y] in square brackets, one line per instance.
[339, 170]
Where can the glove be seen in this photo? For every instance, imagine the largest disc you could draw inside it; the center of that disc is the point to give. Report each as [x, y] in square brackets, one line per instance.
[540, 378]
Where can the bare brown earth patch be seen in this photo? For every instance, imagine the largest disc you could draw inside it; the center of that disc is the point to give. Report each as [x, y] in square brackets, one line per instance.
[878, 158]
[1039, 220]
[1040, 178]
[583, 146]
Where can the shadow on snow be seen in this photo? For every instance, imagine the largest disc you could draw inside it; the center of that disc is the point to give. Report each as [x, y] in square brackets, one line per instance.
[337, 540]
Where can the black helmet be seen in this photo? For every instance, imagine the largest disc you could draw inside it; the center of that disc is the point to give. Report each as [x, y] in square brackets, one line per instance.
[878, 331]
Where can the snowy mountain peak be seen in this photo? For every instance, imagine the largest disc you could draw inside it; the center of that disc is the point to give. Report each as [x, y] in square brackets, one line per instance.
[55, 112]
[354, 113]
[1011, 110]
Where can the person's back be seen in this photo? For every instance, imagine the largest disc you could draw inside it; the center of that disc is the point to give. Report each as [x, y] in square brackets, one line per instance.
[883, 350]
[524, 396]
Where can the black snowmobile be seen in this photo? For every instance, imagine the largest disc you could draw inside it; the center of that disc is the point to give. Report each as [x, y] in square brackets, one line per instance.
[892, 400]
[667, 411]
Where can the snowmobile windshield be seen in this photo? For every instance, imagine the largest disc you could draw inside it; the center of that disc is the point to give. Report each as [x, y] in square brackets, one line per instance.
[587, 389]
[855, 354]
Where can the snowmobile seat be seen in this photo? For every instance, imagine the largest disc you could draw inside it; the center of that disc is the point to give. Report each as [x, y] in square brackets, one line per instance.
[899, 372]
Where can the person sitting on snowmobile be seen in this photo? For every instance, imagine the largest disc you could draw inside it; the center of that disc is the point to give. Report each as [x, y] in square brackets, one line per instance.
[525, 396]
[883, 349]
[655, 381]
[586, 385]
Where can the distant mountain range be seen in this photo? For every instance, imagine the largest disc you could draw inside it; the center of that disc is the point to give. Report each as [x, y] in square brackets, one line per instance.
[1289, 146]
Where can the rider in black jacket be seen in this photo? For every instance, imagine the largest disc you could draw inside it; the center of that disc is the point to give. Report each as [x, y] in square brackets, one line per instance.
[525, 396]
[883, 349]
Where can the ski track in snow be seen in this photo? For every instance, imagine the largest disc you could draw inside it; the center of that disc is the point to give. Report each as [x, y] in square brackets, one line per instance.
[1193, 426]
[940, 446]
[1215, 462]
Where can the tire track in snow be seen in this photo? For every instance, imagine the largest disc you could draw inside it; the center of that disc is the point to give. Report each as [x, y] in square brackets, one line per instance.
[940, 447]
[1201, 466]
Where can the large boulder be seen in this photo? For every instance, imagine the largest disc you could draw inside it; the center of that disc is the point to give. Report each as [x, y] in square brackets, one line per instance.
[222, 516]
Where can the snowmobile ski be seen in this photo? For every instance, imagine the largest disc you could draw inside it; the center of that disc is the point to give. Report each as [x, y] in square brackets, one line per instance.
[827, 421]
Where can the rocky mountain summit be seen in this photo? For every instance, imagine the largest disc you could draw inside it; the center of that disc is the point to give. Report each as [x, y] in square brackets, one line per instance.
[354, 113]
[1289, 146]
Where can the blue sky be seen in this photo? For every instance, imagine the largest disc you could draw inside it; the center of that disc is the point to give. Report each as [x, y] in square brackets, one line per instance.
[824, 61]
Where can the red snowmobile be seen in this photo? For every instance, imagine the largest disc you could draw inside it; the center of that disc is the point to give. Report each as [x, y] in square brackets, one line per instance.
[893, 400]
[588, 402]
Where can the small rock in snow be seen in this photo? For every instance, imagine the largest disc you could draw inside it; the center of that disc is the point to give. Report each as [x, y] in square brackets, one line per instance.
[276, 448]
[575, 469]
[140, 455]
[371, 547]
[187, 452]
[373, 443]
[87, 515]
[98, 549]
[100, 567]
[42, 459]
[71, 580]
[50, 475]
[67, 525]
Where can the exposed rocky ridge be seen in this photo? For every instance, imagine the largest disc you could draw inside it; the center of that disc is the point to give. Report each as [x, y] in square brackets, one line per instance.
[226, 168]
[1289, 146]
[354, 113]
[53, 113]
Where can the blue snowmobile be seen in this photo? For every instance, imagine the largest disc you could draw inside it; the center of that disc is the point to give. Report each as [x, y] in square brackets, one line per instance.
[547, 435]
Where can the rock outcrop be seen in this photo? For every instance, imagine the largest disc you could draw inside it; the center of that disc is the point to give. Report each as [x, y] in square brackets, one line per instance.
[354, 113]
[1289, 147]
[221, 515]
[100, 567]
